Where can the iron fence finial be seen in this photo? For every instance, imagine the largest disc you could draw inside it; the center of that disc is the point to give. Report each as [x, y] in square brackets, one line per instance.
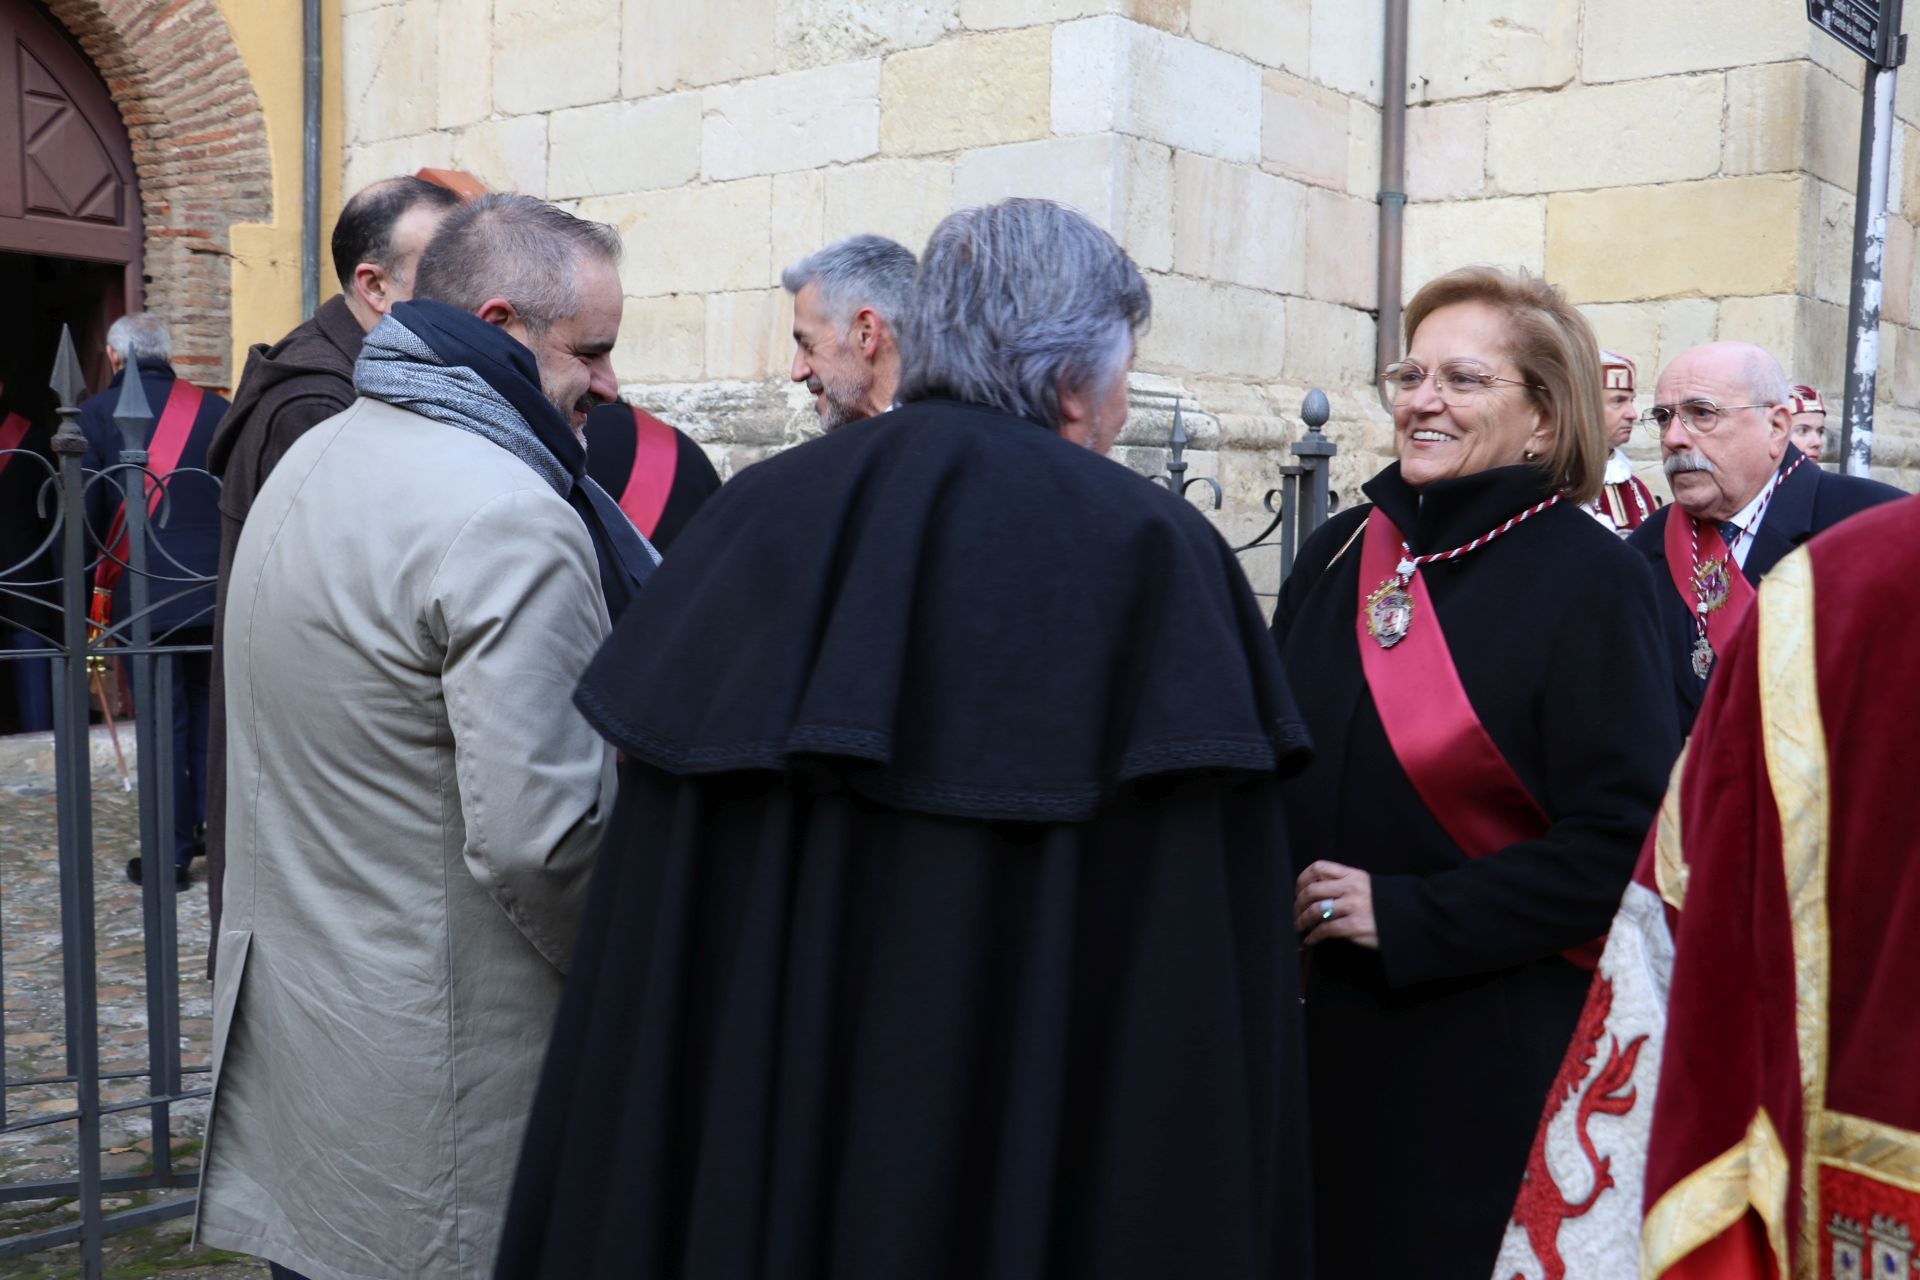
[67, 381]
[1314, 410]
[132, 413]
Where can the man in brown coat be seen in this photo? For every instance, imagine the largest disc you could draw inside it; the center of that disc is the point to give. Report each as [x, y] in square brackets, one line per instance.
[295, 384]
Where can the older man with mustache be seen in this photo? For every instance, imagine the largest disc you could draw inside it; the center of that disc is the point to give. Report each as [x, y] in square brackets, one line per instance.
[1743, 497]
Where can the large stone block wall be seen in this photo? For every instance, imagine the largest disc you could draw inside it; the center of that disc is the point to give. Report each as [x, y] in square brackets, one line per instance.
[1231, 146]
[1685, 171]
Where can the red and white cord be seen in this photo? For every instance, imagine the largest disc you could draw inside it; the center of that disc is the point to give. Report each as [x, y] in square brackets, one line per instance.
[1409, 562]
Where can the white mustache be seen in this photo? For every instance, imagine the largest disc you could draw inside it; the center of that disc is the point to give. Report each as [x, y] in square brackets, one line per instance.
[1679, 462]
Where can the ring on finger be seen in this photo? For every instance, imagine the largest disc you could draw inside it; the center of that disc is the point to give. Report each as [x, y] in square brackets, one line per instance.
[1326, 908]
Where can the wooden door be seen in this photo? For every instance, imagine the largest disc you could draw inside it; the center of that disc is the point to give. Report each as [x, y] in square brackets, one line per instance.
[67, 186]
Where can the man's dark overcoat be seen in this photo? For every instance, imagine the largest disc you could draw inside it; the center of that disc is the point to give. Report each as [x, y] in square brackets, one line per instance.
[1809, 501]
[1430, 1058]
[942, 931]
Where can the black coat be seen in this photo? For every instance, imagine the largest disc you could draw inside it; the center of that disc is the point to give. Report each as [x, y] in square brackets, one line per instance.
[29, 500]
[186, 543]
[1810, 501]
[941, 930]
[1430, 1059]
[611, 441]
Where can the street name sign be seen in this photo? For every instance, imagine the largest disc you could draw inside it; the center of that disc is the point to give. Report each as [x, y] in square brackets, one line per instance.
[1861, 25]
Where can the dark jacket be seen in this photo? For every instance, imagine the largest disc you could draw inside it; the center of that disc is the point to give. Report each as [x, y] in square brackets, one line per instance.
[28, 503]
[1810, 501]
[611, 445]
[185, 542]
[941, 929]
[286, 390]
[1430, 1059]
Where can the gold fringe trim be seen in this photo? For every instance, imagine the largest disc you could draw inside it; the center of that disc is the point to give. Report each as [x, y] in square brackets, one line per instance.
[1796, 746]
[1753, 1173]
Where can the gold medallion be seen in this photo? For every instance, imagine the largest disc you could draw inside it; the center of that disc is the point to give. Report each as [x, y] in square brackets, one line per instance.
[1389, 613]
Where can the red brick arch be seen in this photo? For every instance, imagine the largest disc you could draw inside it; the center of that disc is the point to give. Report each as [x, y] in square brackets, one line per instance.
[199, 151]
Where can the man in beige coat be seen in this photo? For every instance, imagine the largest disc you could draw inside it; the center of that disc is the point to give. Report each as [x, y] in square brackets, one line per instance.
[413, 801]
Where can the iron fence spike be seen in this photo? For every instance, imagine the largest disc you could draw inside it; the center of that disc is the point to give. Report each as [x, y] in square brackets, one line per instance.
[132, 413]
[67, 382]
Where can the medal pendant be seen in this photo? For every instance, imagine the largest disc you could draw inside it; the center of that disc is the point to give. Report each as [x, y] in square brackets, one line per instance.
[1389, 613]
[1711, 586]
[1702, 658]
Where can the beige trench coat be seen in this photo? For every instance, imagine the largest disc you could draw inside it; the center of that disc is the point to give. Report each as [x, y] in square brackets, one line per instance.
[413, 805]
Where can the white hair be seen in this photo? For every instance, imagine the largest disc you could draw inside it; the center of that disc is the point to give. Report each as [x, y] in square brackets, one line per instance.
[139, 336]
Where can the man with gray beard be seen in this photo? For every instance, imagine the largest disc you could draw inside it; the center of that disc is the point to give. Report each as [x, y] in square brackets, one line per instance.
[1743, 497]
[847, 303]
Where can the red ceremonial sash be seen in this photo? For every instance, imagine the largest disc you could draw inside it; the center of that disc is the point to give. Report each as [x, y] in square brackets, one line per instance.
[163, 455]
[656, 454]
[1680, 566]
[12, 432]
[1436, 735]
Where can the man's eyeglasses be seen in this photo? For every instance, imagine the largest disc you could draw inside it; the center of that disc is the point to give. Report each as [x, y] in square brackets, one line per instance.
[1698, 416]
[1458, 381]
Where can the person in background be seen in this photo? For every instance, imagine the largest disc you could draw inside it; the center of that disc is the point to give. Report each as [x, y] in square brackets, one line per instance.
[286, 390]
[847, 302]
[185, 545]
[1492, 730]
[1743, 497]
[1809, 409]
[657, 474]
[1624, 501]
[29, 616]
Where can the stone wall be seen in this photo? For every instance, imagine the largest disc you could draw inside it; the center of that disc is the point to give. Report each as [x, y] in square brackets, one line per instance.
[1231, 145]
[1684, 170]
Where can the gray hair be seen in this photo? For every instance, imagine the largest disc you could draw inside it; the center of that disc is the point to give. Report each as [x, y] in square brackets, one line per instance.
[1016, 302]
[860, 271]
[513, 247]
[140, 335]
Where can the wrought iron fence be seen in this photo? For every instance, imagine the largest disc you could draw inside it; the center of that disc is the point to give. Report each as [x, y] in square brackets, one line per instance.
[80, 653]
[1299, 504]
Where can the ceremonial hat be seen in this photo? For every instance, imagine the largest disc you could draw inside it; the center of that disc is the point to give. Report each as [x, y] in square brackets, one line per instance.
[1617, 372]
[1807, 400]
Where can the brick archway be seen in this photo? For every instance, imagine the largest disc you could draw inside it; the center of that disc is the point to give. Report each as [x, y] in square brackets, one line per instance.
[199, 151]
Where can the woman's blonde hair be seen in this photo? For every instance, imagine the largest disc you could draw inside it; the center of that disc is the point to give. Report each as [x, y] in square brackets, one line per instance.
[1554, 348]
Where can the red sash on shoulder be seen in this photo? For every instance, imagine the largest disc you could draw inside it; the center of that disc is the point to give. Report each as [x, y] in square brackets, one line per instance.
[656, 455]
[1436, 735]
[1680, 566]
[163, 455]
[12, 432]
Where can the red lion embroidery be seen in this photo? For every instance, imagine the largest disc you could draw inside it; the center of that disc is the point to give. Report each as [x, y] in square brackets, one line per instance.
[1541, 1209]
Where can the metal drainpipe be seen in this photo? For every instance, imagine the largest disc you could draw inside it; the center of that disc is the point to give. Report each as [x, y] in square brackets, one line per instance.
[1393, 181]
[310, 158]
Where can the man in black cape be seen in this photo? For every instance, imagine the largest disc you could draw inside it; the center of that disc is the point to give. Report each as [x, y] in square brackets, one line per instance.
[942, 926]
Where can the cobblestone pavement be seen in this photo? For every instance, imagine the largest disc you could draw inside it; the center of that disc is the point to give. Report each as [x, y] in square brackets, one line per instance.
[35, 1042]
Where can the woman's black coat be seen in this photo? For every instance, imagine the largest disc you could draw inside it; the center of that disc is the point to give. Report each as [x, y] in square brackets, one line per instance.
[1429, 1060]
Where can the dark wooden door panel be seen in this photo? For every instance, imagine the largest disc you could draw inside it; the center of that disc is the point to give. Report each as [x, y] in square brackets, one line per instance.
[67, 184]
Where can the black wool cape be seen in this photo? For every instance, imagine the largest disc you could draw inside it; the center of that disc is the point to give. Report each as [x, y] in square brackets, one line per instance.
[1430, 1058]
[942, 929]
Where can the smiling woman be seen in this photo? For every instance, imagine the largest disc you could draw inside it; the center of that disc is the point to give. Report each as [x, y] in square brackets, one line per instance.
[1492, 729]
